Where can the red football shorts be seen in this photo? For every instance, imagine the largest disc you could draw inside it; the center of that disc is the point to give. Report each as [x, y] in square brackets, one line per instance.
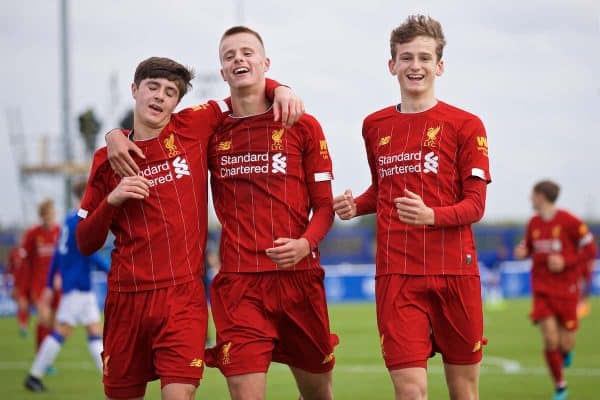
[563, 308]
[153, 334]
[420, 315]
[276, 316]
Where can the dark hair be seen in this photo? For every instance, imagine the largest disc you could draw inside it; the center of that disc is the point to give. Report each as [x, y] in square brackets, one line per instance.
[550, 190]
[234, 30]
[78, 189]
[160, 67]
[418, 25]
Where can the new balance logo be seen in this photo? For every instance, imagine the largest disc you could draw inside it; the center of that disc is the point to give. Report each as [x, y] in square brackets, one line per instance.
[279, 163]
[328, 358]
[431, 163]
[181, 167]
[196, 362]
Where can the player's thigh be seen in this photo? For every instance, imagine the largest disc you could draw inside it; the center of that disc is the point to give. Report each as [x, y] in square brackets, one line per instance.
[305, 340]
[245, 332]
[178, 391]
[314, 386]
[567, 339]
[550, 330]
[44, 312]
[252, 386]
[463, 381]
[179, 344]
[409, 383]
[456, 314]
[402, 320]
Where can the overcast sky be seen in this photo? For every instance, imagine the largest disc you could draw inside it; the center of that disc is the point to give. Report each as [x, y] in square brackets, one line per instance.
[529, 69]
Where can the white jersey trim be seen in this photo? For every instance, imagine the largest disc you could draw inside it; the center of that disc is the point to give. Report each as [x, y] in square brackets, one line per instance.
[587, 239]
[82, 213]
[223, 106]
[479, 173]
[323, 176]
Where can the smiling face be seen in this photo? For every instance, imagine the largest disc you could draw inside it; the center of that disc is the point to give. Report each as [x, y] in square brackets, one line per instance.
[243, 60]
[416, 65]
[155, 101]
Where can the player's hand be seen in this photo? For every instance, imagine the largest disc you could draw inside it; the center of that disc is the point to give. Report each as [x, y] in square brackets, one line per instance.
[520, 252]
[130, 187]
[344, 205]
[556, 263]
[119, 146]
[287, 107]
[47, 295]
[412, 210]
[288, 251]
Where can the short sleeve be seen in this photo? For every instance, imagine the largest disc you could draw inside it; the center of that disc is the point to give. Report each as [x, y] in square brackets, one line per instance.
[317, 161]
[473, 155]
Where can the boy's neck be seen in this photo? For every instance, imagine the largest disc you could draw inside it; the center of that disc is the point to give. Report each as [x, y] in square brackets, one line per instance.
[249, 101]
[547, 211]
[416, 104]
[143, 132]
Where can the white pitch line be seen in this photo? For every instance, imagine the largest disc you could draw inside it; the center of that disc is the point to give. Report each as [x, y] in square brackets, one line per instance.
[509, 366]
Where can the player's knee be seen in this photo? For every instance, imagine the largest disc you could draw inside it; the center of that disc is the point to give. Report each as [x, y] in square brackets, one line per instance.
[467, 391]
[411, 391]
[322, 391]
[551, 342]
[242, 388]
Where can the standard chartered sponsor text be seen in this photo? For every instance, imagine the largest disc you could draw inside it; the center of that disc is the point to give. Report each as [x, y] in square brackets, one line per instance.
[251, 163]
[405, 168]
[157, 174]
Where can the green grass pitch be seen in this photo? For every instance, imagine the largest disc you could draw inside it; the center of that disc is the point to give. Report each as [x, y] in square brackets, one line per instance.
[513, 366]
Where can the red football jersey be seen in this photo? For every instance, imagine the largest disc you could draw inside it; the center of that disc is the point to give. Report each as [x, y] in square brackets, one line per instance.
[432, 154]
[564, 234]
[261, 177]
[38, 244]
[160, 240]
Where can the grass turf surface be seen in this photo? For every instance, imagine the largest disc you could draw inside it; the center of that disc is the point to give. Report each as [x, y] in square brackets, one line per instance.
[513, 366]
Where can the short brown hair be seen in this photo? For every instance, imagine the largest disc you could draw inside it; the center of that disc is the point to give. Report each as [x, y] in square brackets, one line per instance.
[418, 25]
[78, 189]
[234, 30]
[161, 67]
[45, 206]
[549, 189]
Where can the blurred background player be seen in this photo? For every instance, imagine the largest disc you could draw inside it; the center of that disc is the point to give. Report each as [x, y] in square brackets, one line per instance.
[558, 244]
[268, 299]
[38, 243]
[16, 269]
[78, 304]
[429, 170]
